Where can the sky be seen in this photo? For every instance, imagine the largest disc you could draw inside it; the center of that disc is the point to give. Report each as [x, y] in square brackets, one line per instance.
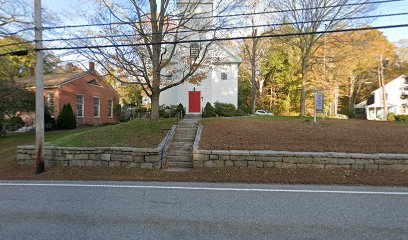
[393, 35]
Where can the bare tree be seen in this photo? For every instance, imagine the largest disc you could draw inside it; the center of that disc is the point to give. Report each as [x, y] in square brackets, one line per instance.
[157, 45]
[251, 46]
[308, 17]
[13, 16]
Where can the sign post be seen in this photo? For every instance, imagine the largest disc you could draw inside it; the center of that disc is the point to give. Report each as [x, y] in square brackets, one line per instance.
[318, 103]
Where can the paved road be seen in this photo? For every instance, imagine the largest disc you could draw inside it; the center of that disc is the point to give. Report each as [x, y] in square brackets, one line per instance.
[123, 210]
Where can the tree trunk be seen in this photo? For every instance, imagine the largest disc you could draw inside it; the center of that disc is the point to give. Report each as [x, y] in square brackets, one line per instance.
[253, 75]
[305, 67]
[154, 114]
[351, 93]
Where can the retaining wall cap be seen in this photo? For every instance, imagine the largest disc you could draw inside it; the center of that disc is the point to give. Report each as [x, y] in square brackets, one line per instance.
[223, 152]
[197, 139]
[363, 155]
[393, 156]
[239, 152]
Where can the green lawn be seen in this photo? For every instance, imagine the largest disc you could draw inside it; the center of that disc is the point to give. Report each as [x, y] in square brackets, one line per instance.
[9, 142]
[137, 133]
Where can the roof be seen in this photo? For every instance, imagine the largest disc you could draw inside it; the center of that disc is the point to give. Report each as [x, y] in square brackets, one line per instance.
[54, 79]
[363, 104]
[380, 105]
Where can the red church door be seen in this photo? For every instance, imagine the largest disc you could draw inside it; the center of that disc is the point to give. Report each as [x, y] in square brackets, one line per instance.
[194, 103]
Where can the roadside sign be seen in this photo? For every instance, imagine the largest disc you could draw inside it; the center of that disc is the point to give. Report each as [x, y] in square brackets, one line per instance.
[319, 102]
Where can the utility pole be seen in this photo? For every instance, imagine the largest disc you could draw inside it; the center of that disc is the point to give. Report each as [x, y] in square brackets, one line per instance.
[324, 67]
[39, 91]
[382, 86]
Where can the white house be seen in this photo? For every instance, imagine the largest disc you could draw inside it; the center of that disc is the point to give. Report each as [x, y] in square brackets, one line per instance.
[396, 94]
[221, 82]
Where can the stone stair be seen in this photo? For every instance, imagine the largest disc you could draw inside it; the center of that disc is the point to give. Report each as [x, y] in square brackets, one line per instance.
[180, 154]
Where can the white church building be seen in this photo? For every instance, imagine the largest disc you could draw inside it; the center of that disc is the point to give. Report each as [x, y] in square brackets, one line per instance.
[396, 94]
[220, 84]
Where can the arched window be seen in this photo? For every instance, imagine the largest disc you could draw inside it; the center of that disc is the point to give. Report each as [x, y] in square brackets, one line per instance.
[194, 50]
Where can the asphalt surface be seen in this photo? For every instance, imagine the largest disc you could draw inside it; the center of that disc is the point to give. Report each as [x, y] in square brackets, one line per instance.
[123, 210]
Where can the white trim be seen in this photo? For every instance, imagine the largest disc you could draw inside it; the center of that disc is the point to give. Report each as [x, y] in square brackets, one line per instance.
[206, 188]
[110, 114]
[99, 107]
[83, 105]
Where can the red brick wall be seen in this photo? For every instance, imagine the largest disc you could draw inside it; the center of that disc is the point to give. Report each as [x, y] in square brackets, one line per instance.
[68, 94]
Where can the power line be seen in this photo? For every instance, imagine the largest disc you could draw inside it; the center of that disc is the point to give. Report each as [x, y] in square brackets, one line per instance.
[213, 29]
[216, 16]
[227, 39]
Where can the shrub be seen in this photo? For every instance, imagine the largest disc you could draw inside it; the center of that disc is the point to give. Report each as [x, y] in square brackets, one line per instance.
[66, 119]
[14, 123]
[209, 110]
[168, 111]
[402, 118]
[227, 110]
[180, 109]
[391, 117]
[117, 109]
[49, 121]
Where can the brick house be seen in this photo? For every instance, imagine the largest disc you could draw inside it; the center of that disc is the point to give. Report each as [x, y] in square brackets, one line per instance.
[89, 95]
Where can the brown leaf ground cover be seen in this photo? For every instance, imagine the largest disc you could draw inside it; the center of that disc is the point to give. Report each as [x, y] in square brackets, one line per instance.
[293, 134]
[213, 175]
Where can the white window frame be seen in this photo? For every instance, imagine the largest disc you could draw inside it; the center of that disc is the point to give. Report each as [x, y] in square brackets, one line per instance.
[83, 106]
[99, 107]
[110, 113]
[52, 110]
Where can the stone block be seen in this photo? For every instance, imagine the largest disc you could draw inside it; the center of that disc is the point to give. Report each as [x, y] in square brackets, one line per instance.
[138, 158]
[301, 160]
[285, 165]
[130, 164]
[81, 156]
[336, 166]
[228, 163]
[310, 166]
[357, 166]
[213, 157]
[401, 167]
[201, 157]
[268, 158]
[210, 164]
[325, 160]
[224, 157]
[152, 158]
[105, 156]
[94, 156]
[69, 156]
[115, 163]
[242, 157]
[241, 163]
[23, 157]
[198, 164]
[89, 163]
[64, 163]
[146, 165]
[269, 164]
[122, 157]
[390, 161]
[346, 161]
[77, 163]
[156, 165]
[371, 166]
[364, 161]
[255, 164]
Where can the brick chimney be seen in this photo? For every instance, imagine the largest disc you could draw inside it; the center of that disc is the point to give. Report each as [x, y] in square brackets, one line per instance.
[91, 66]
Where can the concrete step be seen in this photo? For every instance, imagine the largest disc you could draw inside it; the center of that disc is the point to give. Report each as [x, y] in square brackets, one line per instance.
[171, 158]
[179, 153]
[189, 133]
[182, 145]
[181, 164]
[183, 139]
[181, 148]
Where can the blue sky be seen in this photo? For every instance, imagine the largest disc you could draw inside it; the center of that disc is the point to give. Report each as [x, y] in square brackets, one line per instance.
[392, 34]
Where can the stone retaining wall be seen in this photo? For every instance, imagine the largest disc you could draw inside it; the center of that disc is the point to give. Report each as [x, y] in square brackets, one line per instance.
[286, 159]
[150, 158]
